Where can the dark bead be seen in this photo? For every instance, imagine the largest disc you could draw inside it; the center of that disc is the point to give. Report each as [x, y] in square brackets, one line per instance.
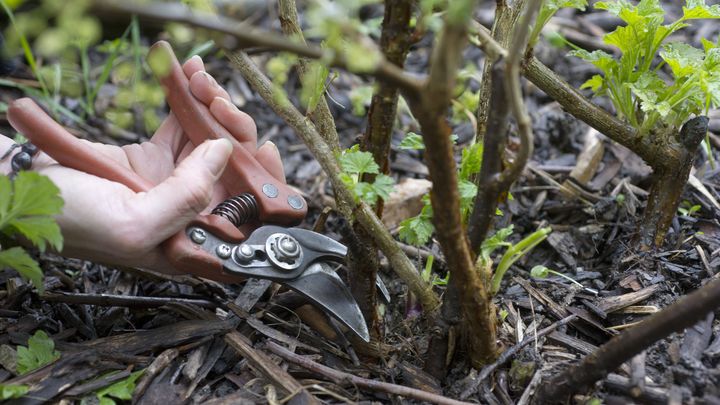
[31, 149]
[21, 161]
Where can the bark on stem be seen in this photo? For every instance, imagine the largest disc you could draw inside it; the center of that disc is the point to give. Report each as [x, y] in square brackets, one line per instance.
[321, 116]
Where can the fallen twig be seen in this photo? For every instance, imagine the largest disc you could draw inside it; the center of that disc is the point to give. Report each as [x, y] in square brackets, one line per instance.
[684, 313]
[129, 301]
[340, 377]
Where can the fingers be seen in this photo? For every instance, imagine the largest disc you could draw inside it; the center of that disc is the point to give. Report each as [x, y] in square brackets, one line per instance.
[268, 156]
[238, 123]
[186, 193]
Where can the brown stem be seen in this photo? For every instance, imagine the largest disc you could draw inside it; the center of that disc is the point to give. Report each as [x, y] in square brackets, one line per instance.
[394, 44]
[668, 185]
[430, 107]
[684, 313]
[321, 116]
[489, 190]
[399, 262]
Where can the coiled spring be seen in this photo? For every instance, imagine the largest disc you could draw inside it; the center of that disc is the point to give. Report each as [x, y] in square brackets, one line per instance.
[239, 210]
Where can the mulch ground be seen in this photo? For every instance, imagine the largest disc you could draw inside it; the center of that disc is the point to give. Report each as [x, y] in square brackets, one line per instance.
[204, 342]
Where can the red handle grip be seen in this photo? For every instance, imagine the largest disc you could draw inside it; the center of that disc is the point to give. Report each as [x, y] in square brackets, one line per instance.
[277, 202]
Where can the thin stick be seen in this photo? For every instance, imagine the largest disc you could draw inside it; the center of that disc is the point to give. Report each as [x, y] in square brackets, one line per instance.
[129, 301]
[340, 377]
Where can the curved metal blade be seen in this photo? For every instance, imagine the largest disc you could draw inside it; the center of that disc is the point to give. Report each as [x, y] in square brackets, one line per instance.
[321, 285]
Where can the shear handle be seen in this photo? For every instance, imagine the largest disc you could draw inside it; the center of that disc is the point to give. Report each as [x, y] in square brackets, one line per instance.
[278, 203]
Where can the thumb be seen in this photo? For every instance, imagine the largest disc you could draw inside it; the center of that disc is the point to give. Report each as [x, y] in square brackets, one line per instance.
[173, 203]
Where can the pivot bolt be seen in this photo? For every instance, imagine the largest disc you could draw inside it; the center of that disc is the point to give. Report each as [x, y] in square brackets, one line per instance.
[223, 251]
[287, 248]
[198, 236]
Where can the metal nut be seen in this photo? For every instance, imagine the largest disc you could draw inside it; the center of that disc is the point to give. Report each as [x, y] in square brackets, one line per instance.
[223, 251]
[198, 236]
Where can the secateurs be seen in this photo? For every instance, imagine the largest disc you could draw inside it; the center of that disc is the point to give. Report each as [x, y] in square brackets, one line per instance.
[217, 246]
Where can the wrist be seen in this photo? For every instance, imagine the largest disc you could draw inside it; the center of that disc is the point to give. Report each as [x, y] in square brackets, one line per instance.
[5, 145]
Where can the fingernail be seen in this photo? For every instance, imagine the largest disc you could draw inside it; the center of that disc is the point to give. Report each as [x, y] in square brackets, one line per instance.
[272, 144]
[216, 155]
[210, 79]
[226, 104]
[196, 58]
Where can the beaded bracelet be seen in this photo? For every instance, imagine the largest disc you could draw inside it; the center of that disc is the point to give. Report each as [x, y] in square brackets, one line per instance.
[21, 160]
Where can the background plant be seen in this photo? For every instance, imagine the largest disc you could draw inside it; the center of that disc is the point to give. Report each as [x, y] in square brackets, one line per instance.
[28, 205]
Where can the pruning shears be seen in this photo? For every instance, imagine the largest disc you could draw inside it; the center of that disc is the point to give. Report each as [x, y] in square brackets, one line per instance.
[213, 246]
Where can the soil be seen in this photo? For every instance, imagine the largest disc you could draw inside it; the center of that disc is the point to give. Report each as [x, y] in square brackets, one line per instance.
[593, 241]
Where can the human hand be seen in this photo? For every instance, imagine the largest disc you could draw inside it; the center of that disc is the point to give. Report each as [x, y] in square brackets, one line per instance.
[107, 222]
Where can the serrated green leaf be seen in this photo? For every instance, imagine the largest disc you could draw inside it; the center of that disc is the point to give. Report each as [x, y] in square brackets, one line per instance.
[471, 161]
[11, 391]
[682, 58]
[468, 190]
[496, 241]
[358, 163]
[383, 186]
[16, 258]
[412, 141]
[595, 83]
[558, 4]
[39, 352]
[27, 206]
[416, 231]
[313, 85]
[122, 389]
[601, 59]
[697, 9]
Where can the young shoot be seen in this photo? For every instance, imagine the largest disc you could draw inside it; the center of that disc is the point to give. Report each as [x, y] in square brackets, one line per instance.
[541, 271]
[512, 254]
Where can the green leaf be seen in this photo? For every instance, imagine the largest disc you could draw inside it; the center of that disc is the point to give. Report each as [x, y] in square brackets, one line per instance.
[360, 98]
[417, 230]
[558, 4]
[682, 58]
[40, 352]
[383, 186]
[496, 241]
[471, 161]
[122, 389]
[356, 162]
[697, 9]
[412, 141]
[19, 260]
[595, 83]
[12, 391]
[540, 271]
[467, 190]
[313, 85]
[601, 59]
[27, 206]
